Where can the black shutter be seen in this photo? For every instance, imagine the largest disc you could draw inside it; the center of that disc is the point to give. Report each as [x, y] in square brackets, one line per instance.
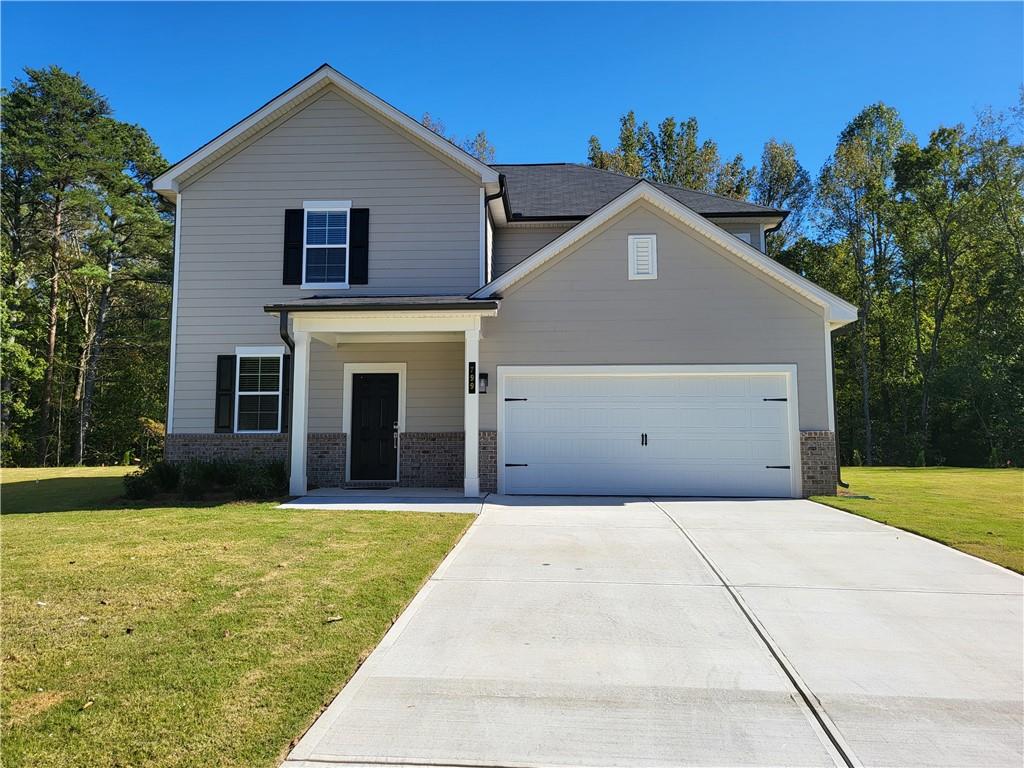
[224, 403]
[294, 223]
[286, 391]
[359, 246]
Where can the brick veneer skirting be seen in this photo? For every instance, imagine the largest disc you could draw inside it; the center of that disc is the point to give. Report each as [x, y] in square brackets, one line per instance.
[431, 460]
[437, 460]
[818, 463]
[325, 458]
[428, 459]
[488, 461]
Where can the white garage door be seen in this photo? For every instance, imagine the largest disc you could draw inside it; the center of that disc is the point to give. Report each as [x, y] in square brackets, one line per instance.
[625, 431]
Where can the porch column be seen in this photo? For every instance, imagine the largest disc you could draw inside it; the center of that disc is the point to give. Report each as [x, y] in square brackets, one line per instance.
[300, 408]
[471, 420]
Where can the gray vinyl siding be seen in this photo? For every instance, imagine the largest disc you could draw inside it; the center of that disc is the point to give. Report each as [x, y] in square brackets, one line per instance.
[513, 244]
[704, 308]
[735, 228]
[433, 386]
[424, 233]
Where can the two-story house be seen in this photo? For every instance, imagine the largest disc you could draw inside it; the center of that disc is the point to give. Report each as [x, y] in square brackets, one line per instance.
[357, 295]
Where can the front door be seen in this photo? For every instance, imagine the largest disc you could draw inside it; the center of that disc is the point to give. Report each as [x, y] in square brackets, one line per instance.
[374, 426]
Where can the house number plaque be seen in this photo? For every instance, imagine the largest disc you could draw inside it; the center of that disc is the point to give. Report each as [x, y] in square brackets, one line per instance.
[472, 379]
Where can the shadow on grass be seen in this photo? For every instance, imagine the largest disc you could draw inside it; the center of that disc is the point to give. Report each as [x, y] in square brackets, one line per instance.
[72, 494]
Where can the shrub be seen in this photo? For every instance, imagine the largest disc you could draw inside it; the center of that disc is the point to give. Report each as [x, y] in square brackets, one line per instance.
[139, 485]
[164, 475]
[195, 479]
[222, 472]
[260, 481]
[858, 460]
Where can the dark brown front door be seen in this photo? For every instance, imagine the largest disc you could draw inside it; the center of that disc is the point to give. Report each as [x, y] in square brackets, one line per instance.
[374, 426]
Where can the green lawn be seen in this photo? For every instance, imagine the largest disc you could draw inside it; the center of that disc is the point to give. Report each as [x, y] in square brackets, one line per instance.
[197, 635]
[980, 511]
[56, 489]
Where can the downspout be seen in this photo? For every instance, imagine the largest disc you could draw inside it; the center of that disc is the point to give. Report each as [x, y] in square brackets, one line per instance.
[487, 203]
[835, 414]
[290, 343]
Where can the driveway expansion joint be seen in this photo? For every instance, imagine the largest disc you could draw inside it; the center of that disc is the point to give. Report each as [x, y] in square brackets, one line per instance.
[834, 740]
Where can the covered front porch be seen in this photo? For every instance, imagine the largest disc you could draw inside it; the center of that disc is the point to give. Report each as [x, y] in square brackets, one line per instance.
[400, 376]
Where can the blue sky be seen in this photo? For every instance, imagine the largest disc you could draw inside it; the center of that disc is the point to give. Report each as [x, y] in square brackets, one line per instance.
[540, 78]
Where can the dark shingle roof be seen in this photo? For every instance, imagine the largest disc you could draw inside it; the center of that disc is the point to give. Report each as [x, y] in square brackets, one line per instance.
[573, 191]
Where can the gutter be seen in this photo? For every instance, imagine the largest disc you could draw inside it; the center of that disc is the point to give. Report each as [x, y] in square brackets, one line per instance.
[286, 336]
[503, 194]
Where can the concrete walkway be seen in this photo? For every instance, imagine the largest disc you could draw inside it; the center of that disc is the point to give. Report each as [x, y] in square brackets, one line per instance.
[613, 632]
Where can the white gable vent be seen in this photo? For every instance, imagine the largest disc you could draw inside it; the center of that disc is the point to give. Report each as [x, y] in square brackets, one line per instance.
[643, 257]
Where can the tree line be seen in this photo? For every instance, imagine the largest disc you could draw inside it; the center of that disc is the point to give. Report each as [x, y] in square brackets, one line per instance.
[926, 237]
[86, 253]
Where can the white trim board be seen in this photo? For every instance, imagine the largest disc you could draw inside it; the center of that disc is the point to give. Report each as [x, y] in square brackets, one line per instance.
[172, 363]
[838, 312]
[167, 183]
[346, 413]
[505, 372]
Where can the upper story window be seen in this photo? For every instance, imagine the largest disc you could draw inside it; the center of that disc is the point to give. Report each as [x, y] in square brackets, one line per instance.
[258, 394]
[325, 244]
[643, 257]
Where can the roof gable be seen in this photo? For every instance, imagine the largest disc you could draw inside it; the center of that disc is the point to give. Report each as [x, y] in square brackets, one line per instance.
[837, 311]
[294, 98]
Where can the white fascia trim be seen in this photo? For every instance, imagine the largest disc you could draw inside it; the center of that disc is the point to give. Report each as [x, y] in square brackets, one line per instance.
[169, 428]
[789, 370]
[839, 311]
[269, 351]
[167, 182]
[483, 237]
[346, 408]
[326, 205]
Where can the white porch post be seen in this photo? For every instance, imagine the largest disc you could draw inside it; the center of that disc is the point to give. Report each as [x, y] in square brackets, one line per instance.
[471, 421]
[300, 408]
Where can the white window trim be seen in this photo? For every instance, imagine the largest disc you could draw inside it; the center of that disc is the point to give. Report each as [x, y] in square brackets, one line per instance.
[326, 206]
[277, 352]
[346, 415]
[745, 237]
[631, 256]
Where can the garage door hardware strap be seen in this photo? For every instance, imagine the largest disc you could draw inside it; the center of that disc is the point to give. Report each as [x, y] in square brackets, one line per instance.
[517, 465]
[775, 399]
[776, 466]
[515, 399]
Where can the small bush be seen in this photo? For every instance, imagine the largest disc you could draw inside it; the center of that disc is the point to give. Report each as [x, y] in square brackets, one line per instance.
[164, 475]
[223, 472]
[858, 460]
[139, 485]
[195, 479]
[260, 481]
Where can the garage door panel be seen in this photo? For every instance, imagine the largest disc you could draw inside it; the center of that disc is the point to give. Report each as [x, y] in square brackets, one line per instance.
[706, 434]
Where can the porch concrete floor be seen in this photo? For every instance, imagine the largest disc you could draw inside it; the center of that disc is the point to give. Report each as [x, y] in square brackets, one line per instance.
[388, 500]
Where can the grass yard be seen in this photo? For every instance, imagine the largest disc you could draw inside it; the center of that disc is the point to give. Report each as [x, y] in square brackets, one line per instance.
[183, 636]
[980, 511]
[55, 489]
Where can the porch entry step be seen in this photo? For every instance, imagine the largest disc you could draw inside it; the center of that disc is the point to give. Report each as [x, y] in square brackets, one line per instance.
[369, 485]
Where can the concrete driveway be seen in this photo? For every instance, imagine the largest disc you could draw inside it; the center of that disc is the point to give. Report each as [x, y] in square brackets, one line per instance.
[614, 632]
